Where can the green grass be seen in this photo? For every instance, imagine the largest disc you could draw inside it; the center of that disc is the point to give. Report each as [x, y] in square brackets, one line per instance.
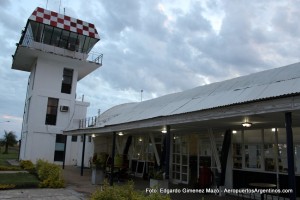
[21, 180]
[15, 180]
[12, 154]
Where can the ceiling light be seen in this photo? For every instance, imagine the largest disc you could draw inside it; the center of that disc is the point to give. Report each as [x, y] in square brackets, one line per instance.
[234, 131]
[120, 133]
[93, 135]
[247, 124]
[273, 129]
[164, 130]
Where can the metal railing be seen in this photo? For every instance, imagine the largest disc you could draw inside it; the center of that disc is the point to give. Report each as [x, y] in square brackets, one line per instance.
[88, 122]
[76, 53]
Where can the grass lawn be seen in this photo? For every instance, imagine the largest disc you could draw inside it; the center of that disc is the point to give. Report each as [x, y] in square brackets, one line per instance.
[12, 154]
[21, 180]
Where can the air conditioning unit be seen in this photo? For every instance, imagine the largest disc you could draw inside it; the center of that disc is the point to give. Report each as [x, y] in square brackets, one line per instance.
[64, 108]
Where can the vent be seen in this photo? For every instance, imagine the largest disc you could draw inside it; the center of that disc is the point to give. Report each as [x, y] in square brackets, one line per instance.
[64, 108]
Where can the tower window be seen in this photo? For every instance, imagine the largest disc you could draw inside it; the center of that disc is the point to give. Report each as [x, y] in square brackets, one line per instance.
[66, 85]
[74, 138]
[51, 114]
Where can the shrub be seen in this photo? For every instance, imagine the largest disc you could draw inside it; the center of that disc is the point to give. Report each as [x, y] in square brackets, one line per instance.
[7, 186]
[27, 165]
[124, 192]
[49, 174]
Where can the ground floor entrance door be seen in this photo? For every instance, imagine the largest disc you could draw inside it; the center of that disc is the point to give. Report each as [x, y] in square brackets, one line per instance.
[209, 153]
[180, 157]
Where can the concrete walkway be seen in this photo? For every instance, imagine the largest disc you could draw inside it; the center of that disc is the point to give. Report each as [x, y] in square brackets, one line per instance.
[43, 194]
[80, 188]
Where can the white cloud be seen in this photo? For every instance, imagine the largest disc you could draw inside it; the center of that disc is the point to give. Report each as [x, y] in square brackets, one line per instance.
[160, 46]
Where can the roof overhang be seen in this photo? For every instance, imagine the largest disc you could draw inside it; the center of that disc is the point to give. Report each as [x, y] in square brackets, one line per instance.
[262, 114]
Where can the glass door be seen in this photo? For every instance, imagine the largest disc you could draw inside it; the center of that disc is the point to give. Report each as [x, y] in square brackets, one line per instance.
[207, 159]
[180, 165]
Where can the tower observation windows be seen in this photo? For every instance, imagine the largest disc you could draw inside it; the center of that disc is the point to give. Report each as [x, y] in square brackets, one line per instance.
[58, 37]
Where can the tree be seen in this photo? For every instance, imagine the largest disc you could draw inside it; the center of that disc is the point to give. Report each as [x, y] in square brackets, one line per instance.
[9, 139]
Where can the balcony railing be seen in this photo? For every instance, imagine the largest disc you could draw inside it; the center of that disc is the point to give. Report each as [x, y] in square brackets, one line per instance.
[71, 51]
[88, 122]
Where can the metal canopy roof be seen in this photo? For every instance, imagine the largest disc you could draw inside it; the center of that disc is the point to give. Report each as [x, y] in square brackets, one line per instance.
[274, 83]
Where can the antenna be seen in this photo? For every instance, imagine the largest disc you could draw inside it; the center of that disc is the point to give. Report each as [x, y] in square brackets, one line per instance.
[46, 4]
[142, 95]
[59, 6]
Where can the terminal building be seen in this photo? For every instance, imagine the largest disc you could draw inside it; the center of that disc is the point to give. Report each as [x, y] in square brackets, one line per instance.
[247, 127]
[56, 50]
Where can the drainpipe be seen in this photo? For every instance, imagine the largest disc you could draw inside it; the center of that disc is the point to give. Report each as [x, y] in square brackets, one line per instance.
[82, 156]
[113, 160]
[290, 154]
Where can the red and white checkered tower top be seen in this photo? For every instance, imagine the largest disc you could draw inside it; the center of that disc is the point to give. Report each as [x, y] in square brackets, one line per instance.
[55, 19]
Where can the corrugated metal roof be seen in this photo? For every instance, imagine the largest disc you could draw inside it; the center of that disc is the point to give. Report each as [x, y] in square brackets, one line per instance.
[258, 86]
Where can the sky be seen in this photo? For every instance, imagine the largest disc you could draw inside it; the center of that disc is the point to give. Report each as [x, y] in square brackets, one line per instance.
[158, 46]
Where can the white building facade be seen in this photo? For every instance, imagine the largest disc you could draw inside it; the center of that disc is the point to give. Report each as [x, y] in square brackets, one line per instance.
[56, 50]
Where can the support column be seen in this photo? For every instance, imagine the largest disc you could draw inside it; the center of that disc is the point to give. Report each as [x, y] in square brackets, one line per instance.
[82, 156]
[167, 155]
[290, 154]
[224, 155]
[111, 181]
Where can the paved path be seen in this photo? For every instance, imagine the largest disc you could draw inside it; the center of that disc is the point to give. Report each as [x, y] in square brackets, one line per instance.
[80, 188]
[43, 194]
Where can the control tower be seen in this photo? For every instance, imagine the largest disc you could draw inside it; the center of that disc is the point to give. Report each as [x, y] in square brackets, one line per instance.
[56, 50]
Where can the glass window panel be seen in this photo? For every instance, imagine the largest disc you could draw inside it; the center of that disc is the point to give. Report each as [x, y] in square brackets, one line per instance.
[184, 169]
[178, 176]
[92, 42]
[177, 158]
[296, 137]
[73, 43]
[56, 36]
[177, 168]
[81, 39]
[64, 39]
[59, 147]
[48, 34]
[252, 156]
[282, 154]
[237, 149]
[269, 149]
[184, 160]
[184, 177]
[86, 45]
[253, 140]
[237, 137]
[74, 138]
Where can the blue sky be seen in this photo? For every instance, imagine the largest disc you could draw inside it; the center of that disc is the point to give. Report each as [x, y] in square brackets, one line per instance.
[158, 46]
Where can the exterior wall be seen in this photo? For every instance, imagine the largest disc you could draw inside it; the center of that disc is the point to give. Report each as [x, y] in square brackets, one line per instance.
[89, 150]
[101, 144]
[38, 139]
